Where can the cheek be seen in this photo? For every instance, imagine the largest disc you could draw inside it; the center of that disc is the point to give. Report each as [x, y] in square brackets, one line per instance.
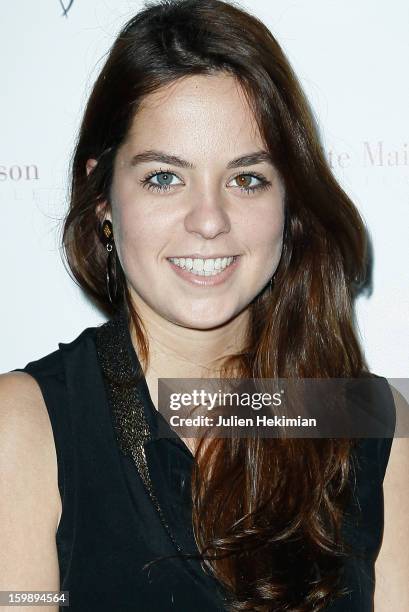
[265, 232]
[274, 223]
[141, 238]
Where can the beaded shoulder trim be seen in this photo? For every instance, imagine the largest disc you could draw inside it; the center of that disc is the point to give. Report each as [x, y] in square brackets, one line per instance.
[131, 427]
[121, 380]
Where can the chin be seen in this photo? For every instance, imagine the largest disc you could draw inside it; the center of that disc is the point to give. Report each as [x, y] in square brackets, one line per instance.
[205, 321]
[200, 326]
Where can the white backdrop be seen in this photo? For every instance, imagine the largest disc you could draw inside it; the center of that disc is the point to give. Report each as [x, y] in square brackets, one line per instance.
[351, 58]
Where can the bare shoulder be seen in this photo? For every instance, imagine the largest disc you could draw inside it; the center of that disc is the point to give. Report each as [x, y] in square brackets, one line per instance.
[30, 502]
[24, 422]
[392, 564]
[20, 396]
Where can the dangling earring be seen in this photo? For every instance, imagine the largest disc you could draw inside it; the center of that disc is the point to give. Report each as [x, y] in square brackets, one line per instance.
[107, 237]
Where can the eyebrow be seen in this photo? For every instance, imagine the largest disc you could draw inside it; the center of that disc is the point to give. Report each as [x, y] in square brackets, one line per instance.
[257, 157]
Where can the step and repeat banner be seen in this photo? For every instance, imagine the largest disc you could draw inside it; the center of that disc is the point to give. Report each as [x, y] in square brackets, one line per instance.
[351, 58]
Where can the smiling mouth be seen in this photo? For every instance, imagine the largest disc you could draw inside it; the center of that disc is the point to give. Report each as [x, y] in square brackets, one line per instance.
[203, 266]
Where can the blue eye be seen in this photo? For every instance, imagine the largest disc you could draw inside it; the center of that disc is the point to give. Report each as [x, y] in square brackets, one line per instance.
[165, 176]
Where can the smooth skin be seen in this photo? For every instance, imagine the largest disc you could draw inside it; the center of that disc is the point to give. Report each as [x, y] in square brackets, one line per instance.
[30, 503]
[207, 122]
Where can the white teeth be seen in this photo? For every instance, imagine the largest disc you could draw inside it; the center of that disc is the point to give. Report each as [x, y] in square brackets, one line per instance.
[197, 265]
[202, 267]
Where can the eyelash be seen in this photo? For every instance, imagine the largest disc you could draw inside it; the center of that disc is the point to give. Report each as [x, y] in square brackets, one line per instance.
[265, 184]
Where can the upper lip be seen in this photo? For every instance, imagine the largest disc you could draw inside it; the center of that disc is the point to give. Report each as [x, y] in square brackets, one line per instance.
[200, 256]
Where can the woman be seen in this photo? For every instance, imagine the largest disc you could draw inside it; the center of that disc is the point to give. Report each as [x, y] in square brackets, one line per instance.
[205, 222]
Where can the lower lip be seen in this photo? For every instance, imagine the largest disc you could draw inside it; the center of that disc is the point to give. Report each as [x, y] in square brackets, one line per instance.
[206, 281]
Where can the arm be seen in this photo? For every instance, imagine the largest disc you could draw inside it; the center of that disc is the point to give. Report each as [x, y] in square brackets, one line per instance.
[30, 503]
[392, 564]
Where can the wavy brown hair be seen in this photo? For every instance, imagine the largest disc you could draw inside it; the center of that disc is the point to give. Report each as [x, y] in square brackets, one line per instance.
[267, 518]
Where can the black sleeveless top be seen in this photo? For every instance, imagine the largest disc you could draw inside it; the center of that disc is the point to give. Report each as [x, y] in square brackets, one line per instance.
[126, 491]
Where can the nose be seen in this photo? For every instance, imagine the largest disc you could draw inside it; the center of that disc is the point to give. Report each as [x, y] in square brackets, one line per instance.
[207, 216]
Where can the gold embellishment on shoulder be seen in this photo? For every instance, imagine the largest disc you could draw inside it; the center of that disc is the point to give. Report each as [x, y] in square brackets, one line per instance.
[131, 427]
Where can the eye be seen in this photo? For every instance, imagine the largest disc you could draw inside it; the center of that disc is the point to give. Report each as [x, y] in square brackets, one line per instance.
[245, 182]
[164, 178]
[165, 181]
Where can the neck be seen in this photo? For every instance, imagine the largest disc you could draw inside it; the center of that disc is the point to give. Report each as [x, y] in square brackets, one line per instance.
[176, 351]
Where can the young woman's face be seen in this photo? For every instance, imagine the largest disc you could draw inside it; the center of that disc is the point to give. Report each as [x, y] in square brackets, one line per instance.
[208, 206]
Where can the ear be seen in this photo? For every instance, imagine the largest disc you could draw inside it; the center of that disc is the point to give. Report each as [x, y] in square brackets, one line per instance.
[102, 210]
[90, 165]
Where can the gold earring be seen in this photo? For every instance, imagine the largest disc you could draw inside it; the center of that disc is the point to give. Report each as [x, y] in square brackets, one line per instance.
[107, 236]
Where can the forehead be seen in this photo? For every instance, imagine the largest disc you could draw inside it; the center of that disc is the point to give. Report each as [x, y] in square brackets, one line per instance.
[200, 111]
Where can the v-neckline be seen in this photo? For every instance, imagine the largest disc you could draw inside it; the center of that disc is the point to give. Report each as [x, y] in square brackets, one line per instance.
[163, 461]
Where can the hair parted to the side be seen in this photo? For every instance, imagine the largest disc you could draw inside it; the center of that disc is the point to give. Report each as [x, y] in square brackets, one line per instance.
[268, 518]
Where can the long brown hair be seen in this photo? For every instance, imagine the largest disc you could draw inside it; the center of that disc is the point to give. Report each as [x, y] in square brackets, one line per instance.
[268, 517]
